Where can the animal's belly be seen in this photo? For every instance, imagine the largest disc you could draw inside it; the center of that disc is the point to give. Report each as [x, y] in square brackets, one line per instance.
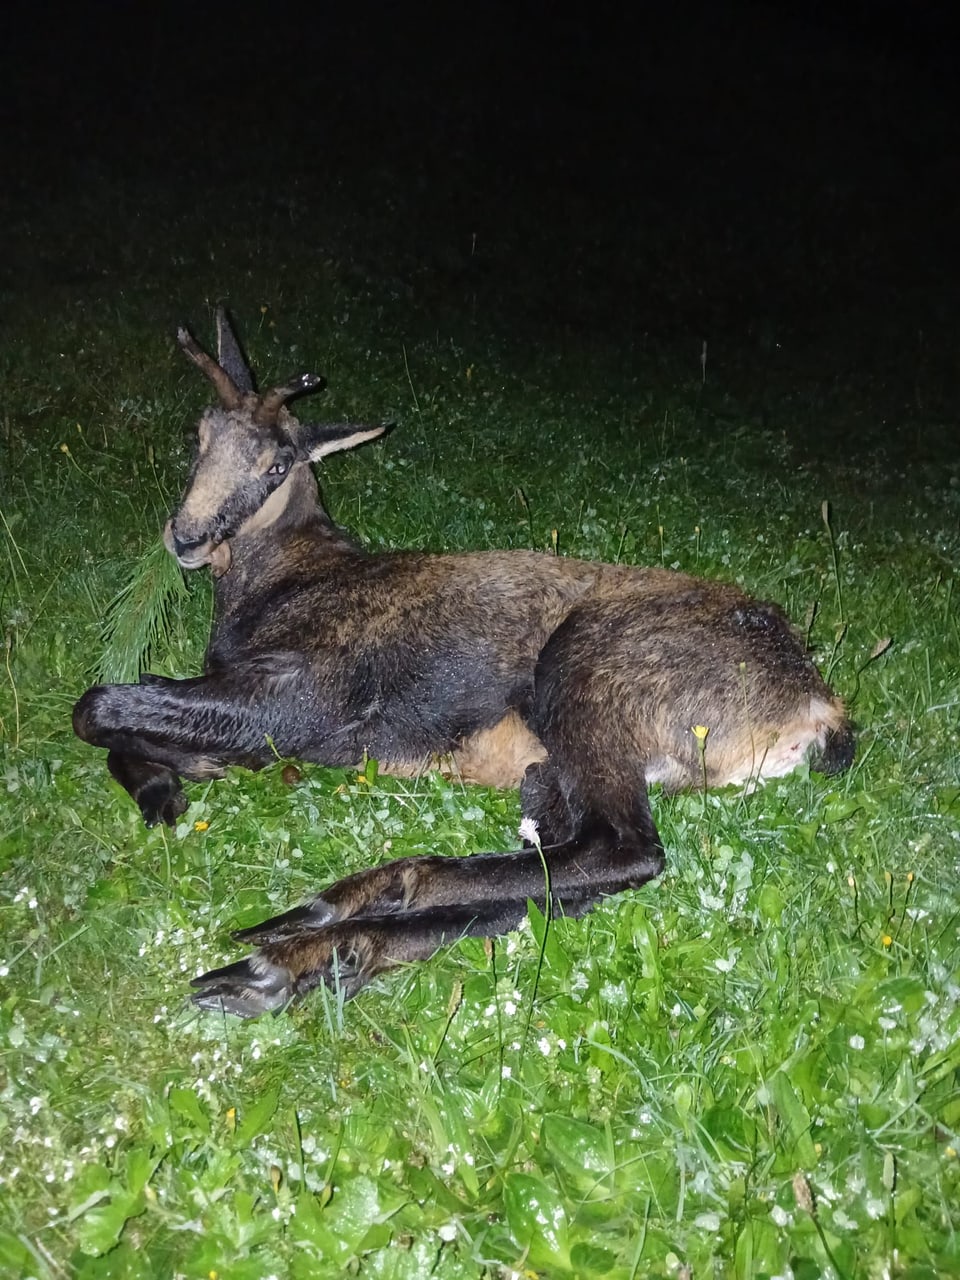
[494, 757]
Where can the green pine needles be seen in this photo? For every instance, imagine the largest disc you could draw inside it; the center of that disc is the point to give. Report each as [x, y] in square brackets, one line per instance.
[140, 618]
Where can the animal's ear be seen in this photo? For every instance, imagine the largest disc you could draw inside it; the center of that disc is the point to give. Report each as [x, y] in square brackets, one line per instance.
[230, 356]
[316, 440]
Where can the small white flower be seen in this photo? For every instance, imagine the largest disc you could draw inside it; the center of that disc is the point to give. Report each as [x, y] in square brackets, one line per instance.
[841, 1220]
[614, 993]
[780, 1216]
[544, 1046]
[529, 831]
[448, 1232]
[857, 1042]
[506, 1073]
[707, 1221]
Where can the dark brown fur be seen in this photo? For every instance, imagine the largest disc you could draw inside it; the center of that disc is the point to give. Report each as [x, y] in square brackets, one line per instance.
[579, 682]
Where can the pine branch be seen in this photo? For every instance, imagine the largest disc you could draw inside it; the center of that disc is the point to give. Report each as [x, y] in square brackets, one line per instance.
[139, 619]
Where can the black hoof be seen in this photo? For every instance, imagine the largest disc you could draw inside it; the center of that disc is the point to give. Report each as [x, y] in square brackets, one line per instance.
[161, 801]
[245, 989]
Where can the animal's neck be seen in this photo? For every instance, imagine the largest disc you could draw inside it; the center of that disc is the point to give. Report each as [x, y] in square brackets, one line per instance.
[289, 532]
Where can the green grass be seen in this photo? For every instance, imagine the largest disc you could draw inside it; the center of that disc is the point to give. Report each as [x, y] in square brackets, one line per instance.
[663, 1085]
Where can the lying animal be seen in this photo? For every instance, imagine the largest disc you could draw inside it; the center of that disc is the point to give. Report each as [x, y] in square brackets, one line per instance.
[578, 682]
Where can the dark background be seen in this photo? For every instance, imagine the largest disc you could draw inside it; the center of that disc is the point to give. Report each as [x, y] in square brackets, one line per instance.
[617, 184]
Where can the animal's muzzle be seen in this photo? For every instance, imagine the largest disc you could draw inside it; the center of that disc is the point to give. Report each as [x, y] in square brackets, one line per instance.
[181, 547]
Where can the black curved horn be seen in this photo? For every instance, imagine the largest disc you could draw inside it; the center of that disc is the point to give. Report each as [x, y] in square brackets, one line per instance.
[272, 401]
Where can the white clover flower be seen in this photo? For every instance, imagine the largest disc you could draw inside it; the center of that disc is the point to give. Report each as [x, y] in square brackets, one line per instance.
[857, 1042]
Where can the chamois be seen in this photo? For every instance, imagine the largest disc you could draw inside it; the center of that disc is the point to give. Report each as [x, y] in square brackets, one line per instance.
[579, 682]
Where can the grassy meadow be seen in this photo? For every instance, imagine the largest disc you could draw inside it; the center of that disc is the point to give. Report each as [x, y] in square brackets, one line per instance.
[749, 1068]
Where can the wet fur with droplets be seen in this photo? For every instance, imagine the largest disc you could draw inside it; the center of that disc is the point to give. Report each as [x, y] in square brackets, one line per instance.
[579, 682]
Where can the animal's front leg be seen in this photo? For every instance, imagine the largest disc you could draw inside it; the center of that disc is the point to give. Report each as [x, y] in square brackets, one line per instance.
[160, 730]
[156, 788]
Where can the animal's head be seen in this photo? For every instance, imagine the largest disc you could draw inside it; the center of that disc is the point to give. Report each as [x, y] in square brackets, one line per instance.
[249, 448]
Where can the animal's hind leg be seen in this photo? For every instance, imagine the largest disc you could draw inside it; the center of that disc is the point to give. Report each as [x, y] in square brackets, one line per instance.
[597, 837]
[405, 910]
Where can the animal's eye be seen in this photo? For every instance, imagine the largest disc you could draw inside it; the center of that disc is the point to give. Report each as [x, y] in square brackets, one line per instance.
[278, 469]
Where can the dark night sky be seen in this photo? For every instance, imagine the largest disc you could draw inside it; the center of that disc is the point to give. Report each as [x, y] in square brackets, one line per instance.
[125, 85]
[724, 166]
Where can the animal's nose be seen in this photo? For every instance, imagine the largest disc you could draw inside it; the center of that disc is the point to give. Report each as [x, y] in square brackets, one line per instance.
[177, 545]
[184, 548]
